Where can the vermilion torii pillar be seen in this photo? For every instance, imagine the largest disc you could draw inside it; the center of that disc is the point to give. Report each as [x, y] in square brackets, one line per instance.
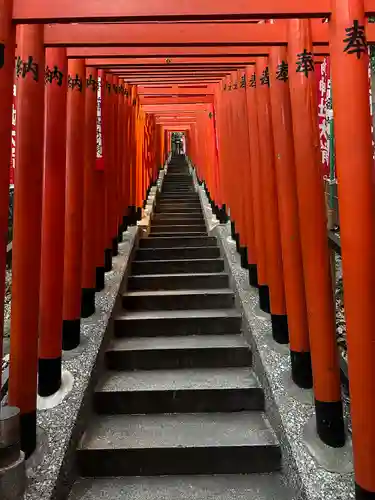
[88, 244]
[355, 171]
[99, 183]
[27, 230]
[251, 258]
[107, 152]
[74, 204]
[113, 198]
[313, 231]
[288, 219]
[269, 204]
[53, 222]
[7, 47]
[254, 171]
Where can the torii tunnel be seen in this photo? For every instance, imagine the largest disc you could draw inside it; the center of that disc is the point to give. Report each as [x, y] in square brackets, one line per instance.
[127, 122]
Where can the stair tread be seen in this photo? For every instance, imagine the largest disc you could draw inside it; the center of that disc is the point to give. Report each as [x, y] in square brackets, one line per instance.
[178, 380]
[181, 275]
[177, 249]
[181, 430]
[174, 237]
[214, 487]
[180, 314]
[176, 293]
[176, 261]
[173, 343]
[163, 234]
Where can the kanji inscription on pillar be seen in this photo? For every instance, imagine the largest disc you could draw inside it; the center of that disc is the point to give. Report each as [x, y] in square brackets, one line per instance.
[355, 40]
[282, 72]
[90, 82]
[243, 81]
[75, 82]
[305, 63]
[324, 113]
[53, 74]
[30, 66]
[253, 81]
[265, 77]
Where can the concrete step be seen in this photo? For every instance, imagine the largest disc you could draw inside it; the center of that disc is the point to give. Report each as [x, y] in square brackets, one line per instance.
[178, 175]
[159, 227]
[172, 208]
[182, 203]
[203, 443]
[198, 390]
[178, 300]
[177, 241]
[178, 215]
[175, 208]
[177, 266]
[176, 190]
[192, 322]
[177, 183]
[191, 351]
[168, 196]
[178, 198]
[188, 220]
[156, 234]
[218, 487]
[178, 281]
[177, 253]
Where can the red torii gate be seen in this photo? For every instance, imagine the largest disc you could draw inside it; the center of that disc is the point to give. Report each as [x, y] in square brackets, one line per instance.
[154, 10]
[350, 95]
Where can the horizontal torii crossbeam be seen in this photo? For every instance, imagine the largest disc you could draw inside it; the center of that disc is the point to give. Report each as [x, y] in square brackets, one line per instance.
[199, 34]
[45, 11]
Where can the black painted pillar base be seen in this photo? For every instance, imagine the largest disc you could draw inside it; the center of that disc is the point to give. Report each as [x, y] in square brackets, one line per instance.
[132, 215]
[253, 275]
[88, 302]
[361, 494]
[237, 240]
[232, 228]
[49, 376]
[330, 423]
[124, 223]
[223, 217]
[139, 213]
[264, 298]
[28, 432]
[301, 370]
[114, 247]
[243, 254]
[71, 334]
[120, 237]
[280, 330]
[235, 235]
[99, 279]
[108, 260]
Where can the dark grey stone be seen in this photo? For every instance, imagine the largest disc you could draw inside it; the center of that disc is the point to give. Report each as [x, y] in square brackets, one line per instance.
[236, 487]
[215, 443]
[178, 299]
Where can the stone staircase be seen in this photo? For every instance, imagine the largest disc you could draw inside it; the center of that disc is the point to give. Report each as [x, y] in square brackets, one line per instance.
[178, 411]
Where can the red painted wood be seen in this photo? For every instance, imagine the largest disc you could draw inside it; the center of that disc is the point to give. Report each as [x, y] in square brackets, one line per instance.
[101, 10]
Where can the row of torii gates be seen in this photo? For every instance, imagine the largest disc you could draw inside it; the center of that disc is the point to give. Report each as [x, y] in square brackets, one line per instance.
[243, 91]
